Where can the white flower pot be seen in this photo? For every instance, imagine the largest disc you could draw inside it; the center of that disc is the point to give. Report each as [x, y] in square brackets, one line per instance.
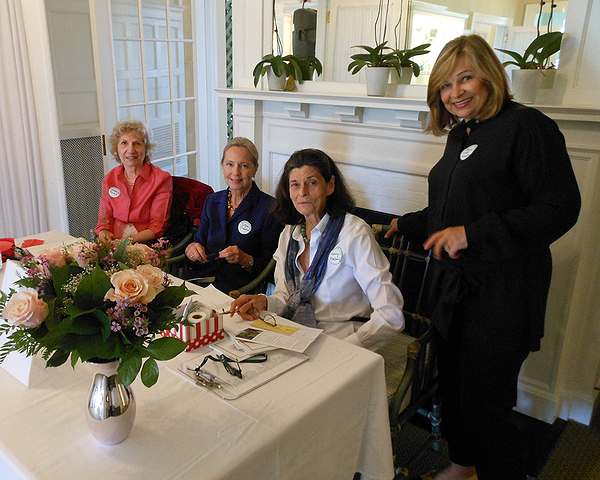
[549, 78]
[377, 81]
[276, 83]
[526, 84]
[407, 74]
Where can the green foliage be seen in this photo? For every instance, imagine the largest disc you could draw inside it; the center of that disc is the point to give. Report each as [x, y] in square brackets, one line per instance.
[537, 54]
[404, 58]
[375, 57]
[290, 65]
[384, 56]
[85, 324]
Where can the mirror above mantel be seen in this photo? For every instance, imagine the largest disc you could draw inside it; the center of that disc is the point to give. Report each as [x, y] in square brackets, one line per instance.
[341, 24]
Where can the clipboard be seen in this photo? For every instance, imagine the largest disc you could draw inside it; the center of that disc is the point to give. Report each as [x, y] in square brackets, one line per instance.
[230, 387]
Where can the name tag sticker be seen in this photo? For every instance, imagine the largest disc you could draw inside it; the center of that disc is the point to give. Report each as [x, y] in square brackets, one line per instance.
[244, 227]
[335, 256]
[466, 153]
[114, 192]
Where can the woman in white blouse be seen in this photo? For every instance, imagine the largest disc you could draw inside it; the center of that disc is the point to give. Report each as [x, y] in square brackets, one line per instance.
[329, 267]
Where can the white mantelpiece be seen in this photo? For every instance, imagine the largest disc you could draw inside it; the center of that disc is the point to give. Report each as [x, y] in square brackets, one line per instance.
[386, 157]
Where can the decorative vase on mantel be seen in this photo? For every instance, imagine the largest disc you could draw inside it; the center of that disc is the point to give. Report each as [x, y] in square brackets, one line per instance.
[526, 84]
[549, 78]
[110, 406]
[276, 84]
[377, 81]
[405, 79]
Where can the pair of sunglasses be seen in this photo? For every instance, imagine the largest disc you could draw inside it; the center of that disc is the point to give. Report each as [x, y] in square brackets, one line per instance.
[233, 366]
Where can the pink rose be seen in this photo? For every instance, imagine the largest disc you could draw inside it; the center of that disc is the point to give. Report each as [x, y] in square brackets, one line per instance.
[54, 256]
[130, 284]
[153, 275]
[140, 250]
[76, 252]
[25, 308]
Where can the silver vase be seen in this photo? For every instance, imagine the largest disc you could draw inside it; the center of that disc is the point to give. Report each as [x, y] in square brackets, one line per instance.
[110, 405]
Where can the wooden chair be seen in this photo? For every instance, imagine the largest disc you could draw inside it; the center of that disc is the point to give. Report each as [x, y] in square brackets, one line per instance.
[413, 387]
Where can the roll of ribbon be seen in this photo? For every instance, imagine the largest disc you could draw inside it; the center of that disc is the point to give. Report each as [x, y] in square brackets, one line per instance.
[196, 317]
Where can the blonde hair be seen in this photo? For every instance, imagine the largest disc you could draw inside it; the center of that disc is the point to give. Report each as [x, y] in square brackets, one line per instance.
[486, 66]
[139, 129]
[242, 142]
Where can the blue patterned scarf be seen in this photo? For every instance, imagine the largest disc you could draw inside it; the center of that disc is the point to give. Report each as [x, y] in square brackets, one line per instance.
[299, 307]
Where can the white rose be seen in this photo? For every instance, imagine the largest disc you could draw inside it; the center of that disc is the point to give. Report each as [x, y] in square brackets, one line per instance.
[54, 256]
[76, 250]
[25, 308]
[130, 284]
[153, 275]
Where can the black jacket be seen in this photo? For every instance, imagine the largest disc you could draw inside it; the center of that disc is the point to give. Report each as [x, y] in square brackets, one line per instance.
[511, 184]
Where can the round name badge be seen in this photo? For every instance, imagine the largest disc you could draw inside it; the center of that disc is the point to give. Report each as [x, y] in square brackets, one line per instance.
[244, 227]
[335, 256]
[466, 153]
[114, 192]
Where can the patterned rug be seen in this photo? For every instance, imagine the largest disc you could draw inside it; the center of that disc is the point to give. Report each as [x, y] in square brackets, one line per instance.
[576, 455]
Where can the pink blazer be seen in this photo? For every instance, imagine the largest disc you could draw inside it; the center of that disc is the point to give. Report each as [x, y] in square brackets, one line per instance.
[149, 205]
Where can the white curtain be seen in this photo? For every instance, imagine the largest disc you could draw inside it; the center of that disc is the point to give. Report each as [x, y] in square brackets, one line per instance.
[22, 196]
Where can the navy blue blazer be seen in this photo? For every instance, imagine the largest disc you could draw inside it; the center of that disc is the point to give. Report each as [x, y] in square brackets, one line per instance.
[252, 227]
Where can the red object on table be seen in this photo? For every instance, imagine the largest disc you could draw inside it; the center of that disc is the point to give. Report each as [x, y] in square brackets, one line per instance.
[6, 247]
[7, 244]
[32, 242]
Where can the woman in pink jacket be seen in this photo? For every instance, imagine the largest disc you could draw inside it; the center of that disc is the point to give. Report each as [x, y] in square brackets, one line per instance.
[136, 196]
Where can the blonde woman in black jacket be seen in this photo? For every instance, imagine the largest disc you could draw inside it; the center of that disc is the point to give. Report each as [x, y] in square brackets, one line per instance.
[503, 191]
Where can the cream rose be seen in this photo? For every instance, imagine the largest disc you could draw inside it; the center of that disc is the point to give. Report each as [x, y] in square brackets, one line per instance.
[25, 308]
[76, 250]
[130, 284]
[153, 275]
[144, 251]
[54, 256]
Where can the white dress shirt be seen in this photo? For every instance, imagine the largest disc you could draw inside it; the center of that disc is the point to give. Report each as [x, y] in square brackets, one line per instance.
[357, 283]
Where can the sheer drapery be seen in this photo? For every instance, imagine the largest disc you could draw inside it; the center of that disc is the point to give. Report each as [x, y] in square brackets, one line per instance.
[22, 195]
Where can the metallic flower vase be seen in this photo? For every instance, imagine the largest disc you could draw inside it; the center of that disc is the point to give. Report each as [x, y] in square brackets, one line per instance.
[110, 405]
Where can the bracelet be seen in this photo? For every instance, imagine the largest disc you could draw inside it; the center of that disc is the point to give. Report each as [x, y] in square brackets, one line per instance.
[250, 264]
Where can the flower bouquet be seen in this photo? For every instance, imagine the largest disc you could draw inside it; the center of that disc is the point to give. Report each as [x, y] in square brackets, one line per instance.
[96, 302]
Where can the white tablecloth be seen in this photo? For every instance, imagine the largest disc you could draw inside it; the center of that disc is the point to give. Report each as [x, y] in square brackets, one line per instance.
[323, 420]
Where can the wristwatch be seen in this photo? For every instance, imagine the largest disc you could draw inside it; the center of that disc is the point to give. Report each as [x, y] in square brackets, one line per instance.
[250, 263]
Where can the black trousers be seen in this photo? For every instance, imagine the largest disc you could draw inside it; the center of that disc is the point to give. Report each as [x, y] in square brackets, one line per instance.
[478, 385]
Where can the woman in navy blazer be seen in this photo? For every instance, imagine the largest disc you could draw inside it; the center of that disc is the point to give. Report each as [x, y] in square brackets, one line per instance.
[238, 234]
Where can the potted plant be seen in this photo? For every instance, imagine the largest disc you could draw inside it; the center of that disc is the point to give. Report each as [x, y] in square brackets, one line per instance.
[405, 68]
[282, 70]
[379, 61]
[278, 68]
[532, 65]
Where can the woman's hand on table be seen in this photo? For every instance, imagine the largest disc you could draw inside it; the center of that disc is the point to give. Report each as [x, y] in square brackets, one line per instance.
[249, 306]
[451, 239]
[195, 252]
